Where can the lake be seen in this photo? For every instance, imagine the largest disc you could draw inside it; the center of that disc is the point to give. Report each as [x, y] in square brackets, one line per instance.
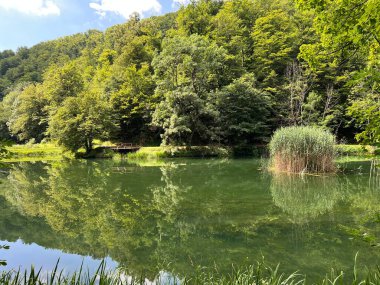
[173, 216]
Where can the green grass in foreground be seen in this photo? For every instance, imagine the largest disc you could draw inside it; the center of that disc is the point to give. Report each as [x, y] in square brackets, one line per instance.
[249, 275]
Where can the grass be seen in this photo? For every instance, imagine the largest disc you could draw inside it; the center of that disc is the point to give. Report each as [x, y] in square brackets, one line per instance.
[355, 150]
[51, 152]
[148, 153]
[157, 153]
[258, 274]
[302, 149]
[35, 152]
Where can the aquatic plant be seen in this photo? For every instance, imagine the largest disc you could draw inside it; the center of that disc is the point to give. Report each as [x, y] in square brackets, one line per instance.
[147, 153]
[302, 149]
[258, 274]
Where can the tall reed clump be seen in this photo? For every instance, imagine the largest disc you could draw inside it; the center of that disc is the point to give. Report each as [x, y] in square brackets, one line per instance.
[302, 149]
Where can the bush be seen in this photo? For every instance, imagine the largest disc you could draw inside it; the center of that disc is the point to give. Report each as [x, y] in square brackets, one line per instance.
[302, 149]
[256, 151]
[198, 152]
[152, 153]
[353, 150]
[147, 153]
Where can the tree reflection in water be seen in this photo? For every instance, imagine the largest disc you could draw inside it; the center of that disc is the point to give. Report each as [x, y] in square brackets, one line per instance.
[171, 216]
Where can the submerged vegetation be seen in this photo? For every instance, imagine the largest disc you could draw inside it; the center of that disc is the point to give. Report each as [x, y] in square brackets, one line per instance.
[302, 149]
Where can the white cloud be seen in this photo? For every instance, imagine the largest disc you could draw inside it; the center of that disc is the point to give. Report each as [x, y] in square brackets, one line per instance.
[31, 7]
[126, 7]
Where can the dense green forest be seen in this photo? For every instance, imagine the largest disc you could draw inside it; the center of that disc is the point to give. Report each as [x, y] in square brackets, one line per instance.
[215, 72]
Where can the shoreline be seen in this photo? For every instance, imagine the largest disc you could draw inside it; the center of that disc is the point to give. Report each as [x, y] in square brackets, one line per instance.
[52, 152]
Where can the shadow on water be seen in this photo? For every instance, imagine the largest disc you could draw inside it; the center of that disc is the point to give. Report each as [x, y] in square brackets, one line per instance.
[178, 214]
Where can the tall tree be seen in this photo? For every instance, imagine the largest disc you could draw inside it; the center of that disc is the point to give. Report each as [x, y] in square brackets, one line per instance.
[80, 120]
[193, 62]
[276, 41]
[134, 102]
[186, 118]
[62, 82]
[244, 111]
[28, 119]
[349, 40]
[195, 18]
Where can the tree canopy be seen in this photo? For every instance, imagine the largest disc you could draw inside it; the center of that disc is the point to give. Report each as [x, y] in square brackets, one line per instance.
[227, 72]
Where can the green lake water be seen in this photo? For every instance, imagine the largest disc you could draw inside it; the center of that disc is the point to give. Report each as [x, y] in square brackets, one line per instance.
[176, 215]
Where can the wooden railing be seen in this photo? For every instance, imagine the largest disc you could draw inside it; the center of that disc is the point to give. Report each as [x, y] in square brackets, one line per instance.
[123, 146]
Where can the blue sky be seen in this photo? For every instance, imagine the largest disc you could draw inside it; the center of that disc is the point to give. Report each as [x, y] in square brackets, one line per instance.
[28, 22]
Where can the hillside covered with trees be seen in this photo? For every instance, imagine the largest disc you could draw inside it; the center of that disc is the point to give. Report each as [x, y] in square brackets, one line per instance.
[215, 72]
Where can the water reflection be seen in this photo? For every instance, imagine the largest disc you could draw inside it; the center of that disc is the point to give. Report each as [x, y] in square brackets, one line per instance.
[47, 259]
[306, 197]
[167, 217]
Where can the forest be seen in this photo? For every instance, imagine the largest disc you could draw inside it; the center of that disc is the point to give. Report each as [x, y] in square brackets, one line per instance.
[212, 73]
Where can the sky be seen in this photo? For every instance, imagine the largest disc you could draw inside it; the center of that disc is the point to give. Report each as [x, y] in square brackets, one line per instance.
[28, 22]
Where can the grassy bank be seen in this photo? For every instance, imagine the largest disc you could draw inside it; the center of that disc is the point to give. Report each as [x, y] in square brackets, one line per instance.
[149, 153]
[50, 151]
[258, 274]
[35, 152]
[161, 152]
[356, 150]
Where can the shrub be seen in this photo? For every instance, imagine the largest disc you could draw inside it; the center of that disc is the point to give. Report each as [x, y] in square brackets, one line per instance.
[352, 150]
[147, 153]
[302, 149]
[154, 153]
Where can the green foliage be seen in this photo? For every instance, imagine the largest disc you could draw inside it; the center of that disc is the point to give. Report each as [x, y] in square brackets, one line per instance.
[28, 117]
[346, 27]
[260, 274]
[354, 150]
[80, 120]
[190, 61]
[302, 149]
[61, 83]
[366, 112]
[30, 152]
[29, 64]
[349, 41]
[244, 111]
[3, 151]
[134, 101]
[147, 153]
[195, 18]
[276, 39]
[317, 63]
[185, 118]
